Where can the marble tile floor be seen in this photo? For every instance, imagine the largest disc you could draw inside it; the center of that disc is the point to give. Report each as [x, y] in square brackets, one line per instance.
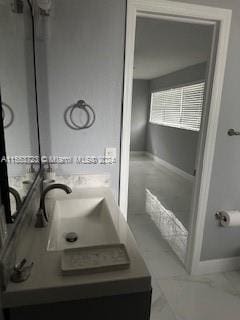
[165, 196]
[173, 191]
[177, 295]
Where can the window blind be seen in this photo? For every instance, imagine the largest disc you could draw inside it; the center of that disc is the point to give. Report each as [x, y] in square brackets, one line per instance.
[179, 107]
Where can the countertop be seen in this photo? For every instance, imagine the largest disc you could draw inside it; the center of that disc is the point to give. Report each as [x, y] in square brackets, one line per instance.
[46, 283]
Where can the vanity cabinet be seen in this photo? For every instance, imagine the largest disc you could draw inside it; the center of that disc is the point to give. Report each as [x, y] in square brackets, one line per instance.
[120, 307]
[48, 293]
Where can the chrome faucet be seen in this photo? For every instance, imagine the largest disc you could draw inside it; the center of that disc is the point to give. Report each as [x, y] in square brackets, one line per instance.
[42, 218]
[18, 200]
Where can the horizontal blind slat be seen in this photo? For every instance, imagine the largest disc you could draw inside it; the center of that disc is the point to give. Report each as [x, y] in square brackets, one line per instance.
[178, 107]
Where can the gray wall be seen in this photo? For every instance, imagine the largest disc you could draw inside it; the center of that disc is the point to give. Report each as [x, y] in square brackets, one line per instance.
[140, 111]
[173, 145]
[184, 45]
[225, 181]
[186, 75]
[17, 85]
[42, 31]
[98, 68]
[85, 50]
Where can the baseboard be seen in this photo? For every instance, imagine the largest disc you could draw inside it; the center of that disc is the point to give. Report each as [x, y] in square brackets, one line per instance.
[218, 265]
[170, 167]
[137, 153]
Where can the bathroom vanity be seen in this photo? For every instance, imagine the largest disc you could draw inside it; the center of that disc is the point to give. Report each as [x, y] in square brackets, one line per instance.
[112, 283]
[49, 293]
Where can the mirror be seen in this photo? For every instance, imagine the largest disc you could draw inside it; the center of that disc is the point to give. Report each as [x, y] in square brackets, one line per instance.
[18, 97]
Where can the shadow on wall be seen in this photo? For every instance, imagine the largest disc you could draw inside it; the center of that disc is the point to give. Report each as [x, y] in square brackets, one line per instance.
[140, 112]
[175, 146]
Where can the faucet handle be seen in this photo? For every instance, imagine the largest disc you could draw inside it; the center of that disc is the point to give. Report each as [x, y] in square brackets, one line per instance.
[21, 272]
[18, 267]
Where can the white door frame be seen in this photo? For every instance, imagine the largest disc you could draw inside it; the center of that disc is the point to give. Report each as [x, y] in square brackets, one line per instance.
[178, 11]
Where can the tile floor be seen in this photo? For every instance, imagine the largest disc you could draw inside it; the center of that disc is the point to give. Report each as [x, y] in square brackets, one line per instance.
[165, 197]
[173, 191]
[176, 295]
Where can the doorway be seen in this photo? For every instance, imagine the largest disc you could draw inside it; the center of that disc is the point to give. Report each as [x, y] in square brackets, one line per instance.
[180, 64]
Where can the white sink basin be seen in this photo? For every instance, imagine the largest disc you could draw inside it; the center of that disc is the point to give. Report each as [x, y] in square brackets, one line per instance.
[89, 218]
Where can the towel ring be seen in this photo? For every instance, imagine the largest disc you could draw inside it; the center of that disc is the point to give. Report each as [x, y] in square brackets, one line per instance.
[69, 115]
[11, 113]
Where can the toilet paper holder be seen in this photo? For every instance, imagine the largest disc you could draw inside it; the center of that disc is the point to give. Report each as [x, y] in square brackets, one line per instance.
[228, 218]
[220, 217]
[233, 132]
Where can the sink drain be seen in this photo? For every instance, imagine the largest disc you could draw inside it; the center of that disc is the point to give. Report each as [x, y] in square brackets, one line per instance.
[71, 237]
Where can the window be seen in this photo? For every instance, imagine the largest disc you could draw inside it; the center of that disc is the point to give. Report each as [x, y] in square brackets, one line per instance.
[179, 107]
